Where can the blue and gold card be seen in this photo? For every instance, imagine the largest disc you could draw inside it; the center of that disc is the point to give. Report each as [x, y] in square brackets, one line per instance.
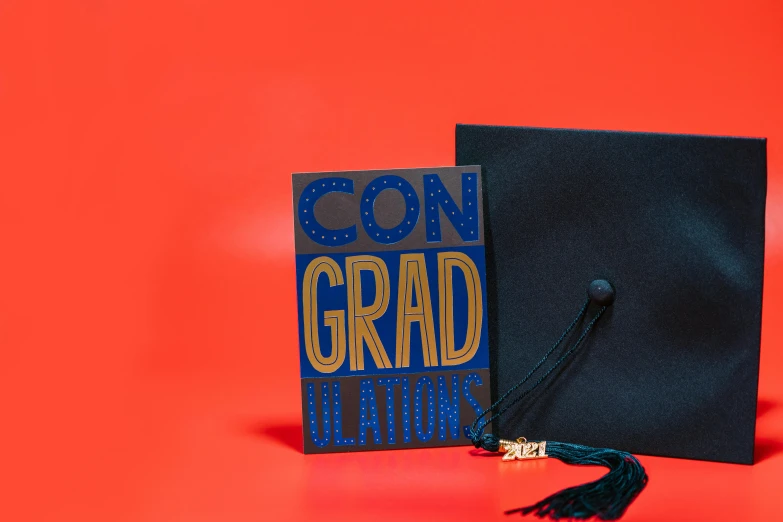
[391, 285]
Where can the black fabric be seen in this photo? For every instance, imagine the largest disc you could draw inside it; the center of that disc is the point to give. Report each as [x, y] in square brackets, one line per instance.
[676, 224]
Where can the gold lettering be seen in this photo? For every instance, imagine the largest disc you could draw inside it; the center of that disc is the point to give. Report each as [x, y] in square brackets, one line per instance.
[334, 319]
[413, 278]
[361, 329]
[447, 262]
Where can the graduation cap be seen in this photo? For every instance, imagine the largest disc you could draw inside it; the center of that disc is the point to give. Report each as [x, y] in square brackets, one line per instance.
[670, 228]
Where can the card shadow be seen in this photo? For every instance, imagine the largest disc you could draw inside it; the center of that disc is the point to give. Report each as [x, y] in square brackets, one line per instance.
[286, 434]
[289, 434]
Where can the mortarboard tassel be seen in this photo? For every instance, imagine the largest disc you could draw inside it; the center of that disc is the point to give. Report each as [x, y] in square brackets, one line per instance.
[606, 498]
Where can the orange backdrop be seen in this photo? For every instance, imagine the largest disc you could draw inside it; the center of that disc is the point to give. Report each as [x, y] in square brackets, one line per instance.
[149, 368]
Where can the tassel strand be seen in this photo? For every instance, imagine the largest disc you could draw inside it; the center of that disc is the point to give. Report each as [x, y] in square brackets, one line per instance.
[606, 498]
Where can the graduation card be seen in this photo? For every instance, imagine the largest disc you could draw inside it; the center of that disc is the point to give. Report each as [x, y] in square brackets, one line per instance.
[391, 289]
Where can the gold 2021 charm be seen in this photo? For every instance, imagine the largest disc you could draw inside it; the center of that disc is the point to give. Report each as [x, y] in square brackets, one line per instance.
[521, 449]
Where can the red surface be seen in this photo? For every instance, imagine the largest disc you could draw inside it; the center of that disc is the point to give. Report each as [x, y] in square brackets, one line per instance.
[147, 308]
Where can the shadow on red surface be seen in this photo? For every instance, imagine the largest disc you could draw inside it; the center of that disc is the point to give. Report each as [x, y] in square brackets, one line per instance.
[287, 434]
[290, 435]
[764, 406]
[766, 448]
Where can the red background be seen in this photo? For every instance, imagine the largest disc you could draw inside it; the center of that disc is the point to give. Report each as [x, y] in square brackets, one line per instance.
[149, 369]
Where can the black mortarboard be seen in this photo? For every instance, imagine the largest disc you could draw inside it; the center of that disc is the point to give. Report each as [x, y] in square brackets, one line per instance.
[676, 224]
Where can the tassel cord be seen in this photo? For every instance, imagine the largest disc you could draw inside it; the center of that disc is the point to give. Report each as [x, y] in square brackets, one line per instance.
[606, 498]
[477, 428]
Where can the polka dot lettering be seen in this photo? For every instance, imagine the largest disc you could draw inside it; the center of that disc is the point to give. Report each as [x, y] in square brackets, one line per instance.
[317, 232]
[406, 411]
[448, 407]
[339, 440]
[368, 413]
[474, 403]
[390, 383]
[312, 416]
[367, 210]
[424, 386]
[434, 201]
